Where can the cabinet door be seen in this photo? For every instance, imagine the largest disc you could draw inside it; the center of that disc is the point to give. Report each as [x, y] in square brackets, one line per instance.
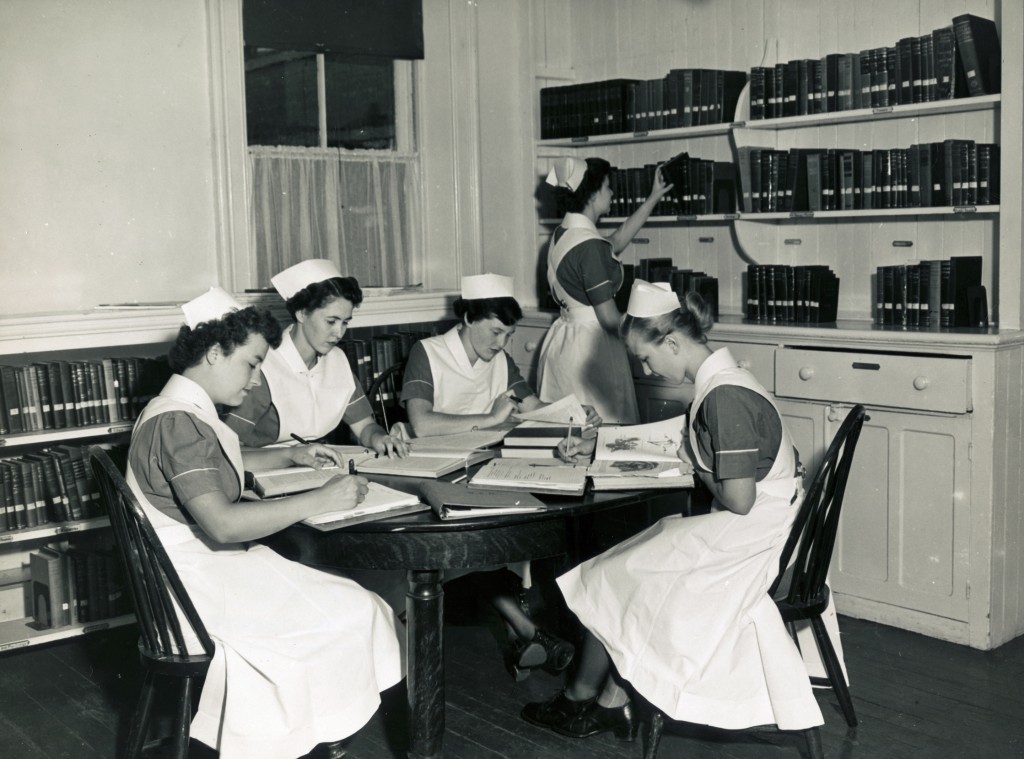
[806, 425]
[903, 535]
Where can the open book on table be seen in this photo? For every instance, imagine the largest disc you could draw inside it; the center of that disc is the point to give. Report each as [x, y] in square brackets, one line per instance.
[437, 455]
[641, 456]
[456, 501]
[532, 476]
[381, 502]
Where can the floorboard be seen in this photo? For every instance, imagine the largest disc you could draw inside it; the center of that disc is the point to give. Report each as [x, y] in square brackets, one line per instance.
[915, 697]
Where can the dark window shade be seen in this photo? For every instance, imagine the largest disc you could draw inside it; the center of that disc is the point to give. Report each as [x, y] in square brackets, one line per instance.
[377, 28]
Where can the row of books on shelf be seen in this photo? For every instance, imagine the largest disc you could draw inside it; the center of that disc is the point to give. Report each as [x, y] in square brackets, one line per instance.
[931, 293]
[925, 175]
[699, 186]
[370, 357]
[682, 98]
[54, 395]
[778, 293]
[75, 585]
[52, 485]
[959, 60]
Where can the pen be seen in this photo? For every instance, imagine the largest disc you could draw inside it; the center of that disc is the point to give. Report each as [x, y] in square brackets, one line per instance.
[351, 466]
[517, 400]
[458, 479]
[300, 439]
[568, 432]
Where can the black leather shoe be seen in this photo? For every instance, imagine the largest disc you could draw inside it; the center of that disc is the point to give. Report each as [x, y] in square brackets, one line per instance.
[599, 719]
[545, 650]
[555, 712]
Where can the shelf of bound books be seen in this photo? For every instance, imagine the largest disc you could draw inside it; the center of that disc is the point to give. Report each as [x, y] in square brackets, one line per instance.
[52, 529]
[910, 110]
[22, 633]
[653, 135]
[866, 213]
[68, 433]
[704, 218]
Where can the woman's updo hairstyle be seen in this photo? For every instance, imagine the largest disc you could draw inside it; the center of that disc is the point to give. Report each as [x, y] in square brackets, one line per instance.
[574, 201]
[505, 310]
[694, 319]
[230, 331]
[318, 294]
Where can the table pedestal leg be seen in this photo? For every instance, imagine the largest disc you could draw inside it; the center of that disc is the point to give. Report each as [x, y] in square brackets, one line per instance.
[424, 605]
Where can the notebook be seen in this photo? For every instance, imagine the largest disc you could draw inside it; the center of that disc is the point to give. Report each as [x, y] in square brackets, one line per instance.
[531, 475]
[457, 501]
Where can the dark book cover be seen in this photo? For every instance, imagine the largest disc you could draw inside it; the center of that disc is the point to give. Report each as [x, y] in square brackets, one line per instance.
[988, 173]
[830, 79]
[899, 295]
[844, 74]
[80, 575]
[31, 486]
[111, 407]
[732, 84]
[815, 191]
[724, 187]
[33, 408]
[758, 76]
[980, 53]
[931, 87]
[777, 94]
[48, 488]
[913, 309]
[964, 273]
[917, 91]
[888, 294]
[945, 64]
[41, 374]
[15, 488]
[68, 479]
[753, 293]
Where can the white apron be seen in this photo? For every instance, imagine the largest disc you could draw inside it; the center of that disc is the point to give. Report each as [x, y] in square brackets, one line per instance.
[683, 607]
[578, 355]
[459, 386]
[301, 655]
[309, 402]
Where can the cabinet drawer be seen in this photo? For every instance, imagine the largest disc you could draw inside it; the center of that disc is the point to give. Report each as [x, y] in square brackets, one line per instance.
[913, 382]
[759, 360]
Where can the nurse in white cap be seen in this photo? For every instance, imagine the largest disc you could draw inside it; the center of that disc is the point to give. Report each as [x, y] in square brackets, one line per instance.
[308, 388]
[301, 655]
[582, 352]
[681, 611]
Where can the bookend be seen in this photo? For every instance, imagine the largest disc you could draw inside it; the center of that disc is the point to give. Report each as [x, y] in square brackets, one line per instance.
[162, 607]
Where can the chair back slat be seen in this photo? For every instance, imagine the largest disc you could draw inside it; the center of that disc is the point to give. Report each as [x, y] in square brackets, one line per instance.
[162, 604]
[813, 535]
[383, 395]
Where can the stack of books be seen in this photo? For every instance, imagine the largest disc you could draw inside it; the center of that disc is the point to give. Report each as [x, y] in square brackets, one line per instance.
[777, 293]
[931, 294]
[959, 60]
[75, 585]
[55, 484]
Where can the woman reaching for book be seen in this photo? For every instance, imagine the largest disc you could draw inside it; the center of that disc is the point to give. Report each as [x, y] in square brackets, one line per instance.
[285, 635]
[582, 352]
[464, 380]
[681, 611]
[307, 388]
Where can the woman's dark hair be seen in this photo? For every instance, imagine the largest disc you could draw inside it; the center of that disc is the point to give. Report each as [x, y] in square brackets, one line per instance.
[574, 201]
[694, 320]
[506, 310]
[230, 331]
[317, 295]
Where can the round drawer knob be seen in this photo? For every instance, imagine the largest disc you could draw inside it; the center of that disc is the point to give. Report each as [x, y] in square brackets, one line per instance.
[920, 383]
[806, 372]
[743, 363]
[531, 346]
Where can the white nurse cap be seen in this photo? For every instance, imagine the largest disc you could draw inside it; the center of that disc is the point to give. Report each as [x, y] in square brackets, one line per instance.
[302, 275]
[481, 286]
[651, 299]
[213, 304]
[568, 172]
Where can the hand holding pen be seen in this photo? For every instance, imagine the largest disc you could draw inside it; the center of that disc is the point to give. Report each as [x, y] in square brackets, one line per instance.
[315, 455]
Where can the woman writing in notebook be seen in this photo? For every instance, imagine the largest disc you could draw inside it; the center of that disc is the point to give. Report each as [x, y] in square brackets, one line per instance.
[464, 380]
[307, 388]
[582, 352]
[285, 635]
[681, 611]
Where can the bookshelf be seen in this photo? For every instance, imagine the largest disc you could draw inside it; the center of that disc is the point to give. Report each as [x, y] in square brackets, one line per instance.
[932, 544]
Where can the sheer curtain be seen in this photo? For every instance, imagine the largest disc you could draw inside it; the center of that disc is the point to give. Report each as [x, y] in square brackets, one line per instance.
[358, 210]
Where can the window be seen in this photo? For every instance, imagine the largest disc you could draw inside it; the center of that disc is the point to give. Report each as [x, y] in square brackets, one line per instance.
[333, 164]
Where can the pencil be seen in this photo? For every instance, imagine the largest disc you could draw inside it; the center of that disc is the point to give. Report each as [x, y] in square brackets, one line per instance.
[300, 439]
[568, 433]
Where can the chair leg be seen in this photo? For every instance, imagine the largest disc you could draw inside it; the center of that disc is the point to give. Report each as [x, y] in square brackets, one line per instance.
[183, 719]
[654, 733]
[835, 672]
[140, 719]
[814, 748]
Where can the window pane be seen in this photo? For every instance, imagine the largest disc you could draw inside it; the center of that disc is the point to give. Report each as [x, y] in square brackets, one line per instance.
[360, 104]
[281, 98]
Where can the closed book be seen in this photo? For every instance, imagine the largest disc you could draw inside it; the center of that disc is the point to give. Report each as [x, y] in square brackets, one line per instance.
[12, 399]
[33, 407]
[111, 405]
[944, 52]
[69, 485]
[524, 452]
[980, 54]
[964, 273]
[41, 376]
[54, 500]
[429, 465]
[457, 501]
[49, 604]
[988, 173]
[53, 379]
[758, 79]
[640, 475]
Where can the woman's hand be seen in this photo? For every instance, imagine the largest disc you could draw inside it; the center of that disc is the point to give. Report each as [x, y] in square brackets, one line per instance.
[593, 418]
[502, 408]
[576, 450]
[316, 455]
[660, 187]
[342, 493]
[388, 445]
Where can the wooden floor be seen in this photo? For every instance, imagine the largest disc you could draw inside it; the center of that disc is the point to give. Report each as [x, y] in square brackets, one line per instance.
[916, 697]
